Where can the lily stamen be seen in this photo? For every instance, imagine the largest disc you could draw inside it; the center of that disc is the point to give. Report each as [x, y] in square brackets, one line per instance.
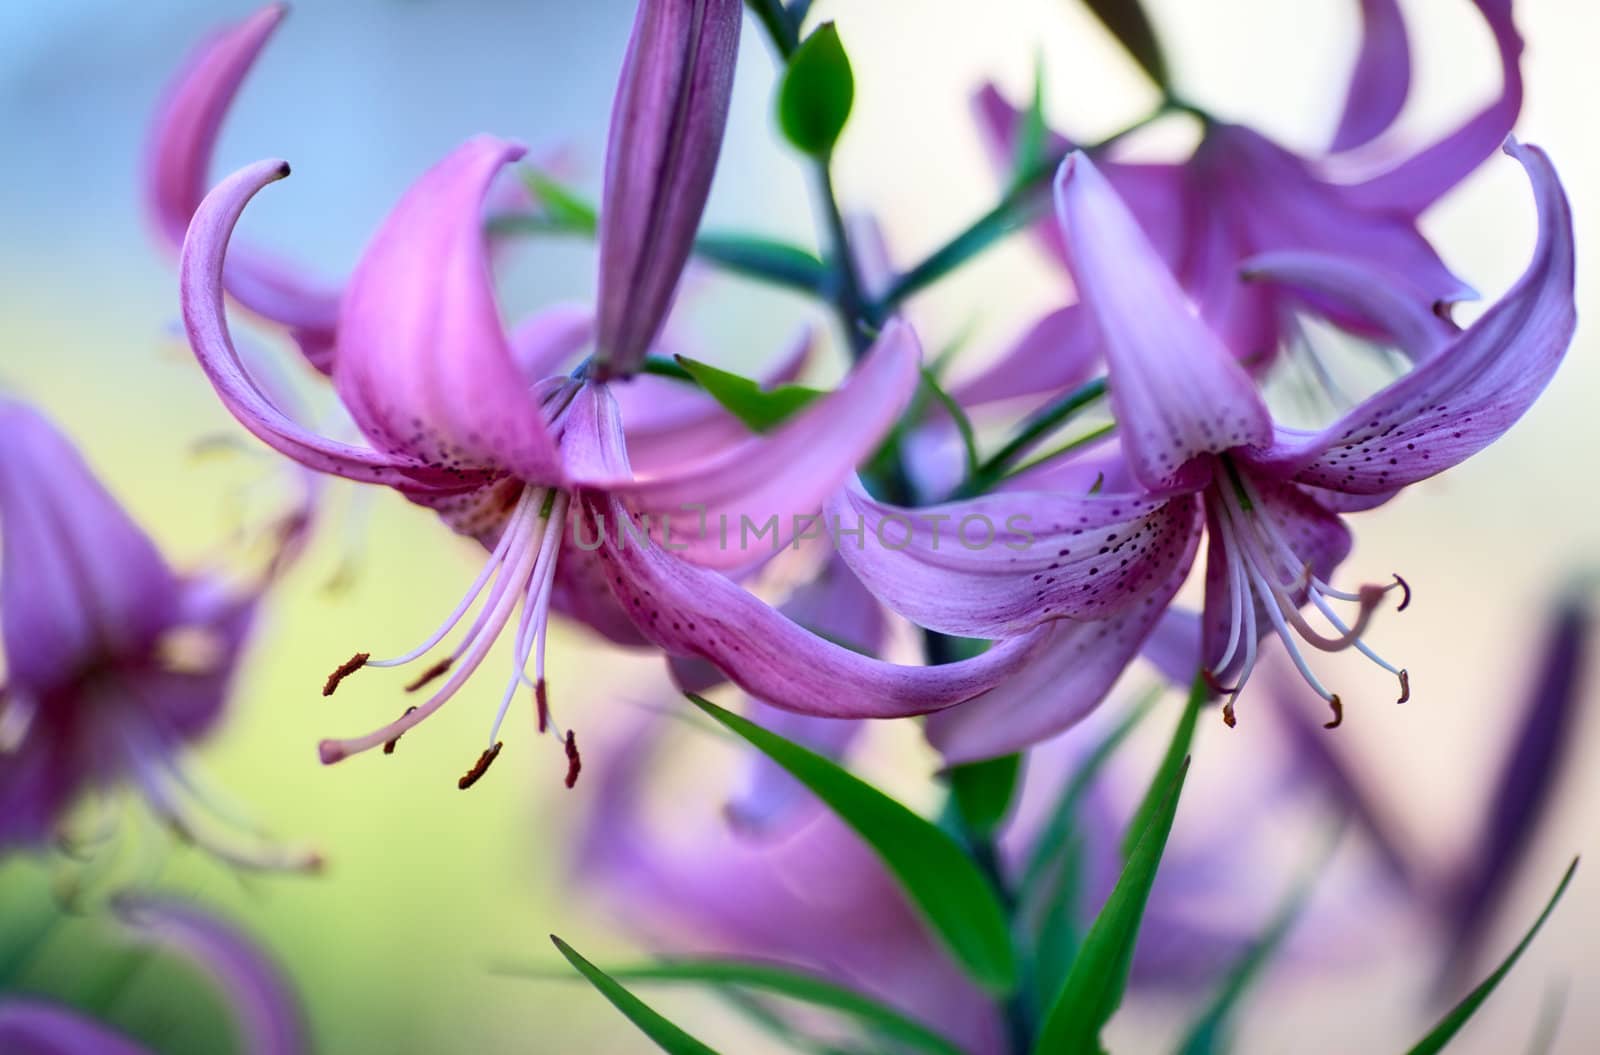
[480, 767]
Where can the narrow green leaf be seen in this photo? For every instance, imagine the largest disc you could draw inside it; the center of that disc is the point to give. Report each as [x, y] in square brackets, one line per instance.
[953, 896]
[983, 792]
[958, 415]
[1127, 21]
[798, 985]
[816, 92]
[1093, 988]
[668, 1037]
[1031, 141]
[1451, 1024]
[765, 259]
[1176, 756]
[564, 208]
[762, 409]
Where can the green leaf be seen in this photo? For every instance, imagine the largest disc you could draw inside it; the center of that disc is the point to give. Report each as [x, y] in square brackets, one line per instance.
[761, 409]
[817, 90]
[1127, 21]
[937, 876]
[1093, 988]
[766, 259]
[1177, 753]
[667, 1036]
[798, 985]
[1031, 141]
[958, 414]
[562, 207]
[1451, 1024]
[983, 791]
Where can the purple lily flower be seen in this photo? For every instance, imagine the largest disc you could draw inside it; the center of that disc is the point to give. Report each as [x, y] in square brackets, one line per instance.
[267, 1014]
[468, 421]
[1096, 570]
[1241, 195]
[115, 662]
[177, 158]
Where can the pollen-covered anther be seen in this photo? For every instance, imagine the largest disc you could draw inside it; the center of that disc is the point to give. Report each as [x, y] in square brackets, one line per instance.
[1405, 686]
[1405, 597]
[438, 670]
[1337, 706]
[1228, 717]
[541, 704]
[574, 761]
[480, 767]
[343, 671]
[389, 745]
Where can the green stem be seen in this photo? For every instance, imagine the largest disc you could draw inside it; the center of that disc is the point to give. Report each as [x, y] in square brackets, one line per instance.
[854, 311]
[782, 30]
[1037, 428]
[1014, 208]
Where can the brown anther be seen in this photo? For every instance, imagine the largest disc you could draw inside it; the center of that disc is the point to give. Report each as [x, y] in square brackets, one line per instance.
[1338, 713]
[388, 745]
[480, 767]
[541, 703]
[344, 670]
[1405, 598]
[1405, 686]
[574, 762]
[1228, 717]
[431, 673]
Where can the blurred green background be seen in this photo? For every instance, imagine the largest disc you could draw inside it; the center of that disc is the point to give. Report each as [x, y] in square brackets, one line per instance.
[427, 886]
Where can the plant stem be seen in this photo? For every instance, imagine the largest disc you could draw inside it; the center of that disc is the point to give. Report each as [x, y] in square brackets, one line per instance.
[1037, 428]
[855, 313]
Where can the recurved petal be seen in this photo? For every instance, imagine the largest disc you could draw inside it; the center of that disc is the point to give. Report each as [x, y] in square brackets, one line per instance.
[425, 367]
[666, 129]
[81, 585]
[1176, 391]
[1364, 289]
[782, 478]
[1470, 391]
[997, 565]
[548, 341]
[1412, 186]
[693, 611]
[1060, 350]
[1069, 674]
[30, 1026]
[266, 1013]
[178, 160]
[1381, 78]
[205, 320]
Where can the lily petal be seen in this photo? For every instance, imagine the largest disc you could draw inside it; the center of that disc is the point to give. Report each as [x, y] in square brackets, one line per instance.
[548, 341]
[1413, 185]
[1070, 673]
[81, 584]
[424, 364]
[696, 612]
[1469, 392]
[205, 320]
[1381, 78]
[783, 477]
[1176, 391]
[1059, 351]
[1414, 329]
[666, 129]
[29, 1026]
[178, 158]
[994, 566]
[267, 1015]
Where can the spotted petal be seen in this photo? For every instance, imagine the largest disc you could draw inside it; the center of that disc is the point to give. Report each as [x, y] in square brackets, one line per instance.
[178, 158]
[81, 585]
[1069, 674]
[1001, 564]
[205, 320]
[1469, 392]
[424, 366]
[666, 129]
[1175, 389]
[1381, 78]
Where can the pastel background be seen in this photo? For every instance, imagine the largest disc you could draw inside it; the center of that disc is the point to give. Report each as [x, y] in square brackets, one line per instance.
[428, 887]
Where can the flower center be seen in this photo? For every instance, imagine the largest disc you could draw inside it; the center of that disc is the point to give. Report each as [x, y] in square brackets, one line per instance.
[1265, 576]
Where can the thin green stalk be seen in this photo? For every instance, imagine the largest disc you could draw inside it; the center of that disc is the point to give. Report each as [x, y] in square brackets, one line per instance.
[1041, 425]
